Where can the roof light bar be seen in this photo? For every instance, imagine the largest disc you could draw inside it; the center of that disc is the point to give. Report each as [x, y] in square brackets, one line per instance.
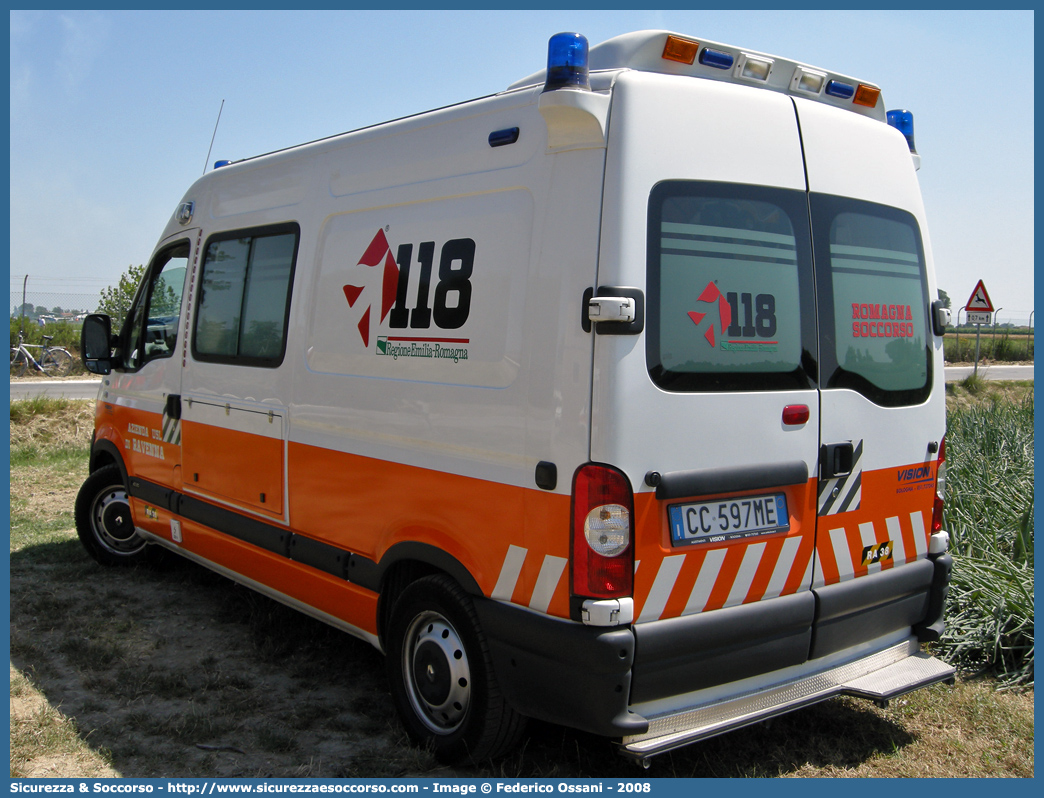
[835, 88]
[754, 67]
[716, 59]
[866, 95]
[567, 60]
[681, 50]
[808, 81]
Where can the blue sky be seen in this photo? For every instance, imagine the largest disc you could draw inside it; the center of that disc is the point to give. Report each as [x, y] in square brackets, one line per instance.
[112, 112]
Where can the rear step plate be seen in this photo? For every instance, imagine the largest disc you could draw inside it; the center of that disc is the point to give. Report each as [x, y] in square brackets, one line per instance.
[879, 677]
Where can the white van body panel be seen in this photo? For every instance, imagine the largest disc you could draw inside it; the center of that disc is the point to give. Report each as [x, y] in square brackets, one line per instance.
[713, 132]
[448, 437]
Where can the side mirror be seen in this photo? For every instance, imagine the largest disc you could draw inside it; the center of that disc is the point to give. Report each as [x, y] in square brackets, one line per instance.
[940, 317]
[95, 340]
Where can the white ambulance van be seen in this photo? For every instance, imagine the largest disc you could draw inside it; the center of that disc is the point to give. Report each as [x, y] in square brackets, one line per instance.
[614, 399]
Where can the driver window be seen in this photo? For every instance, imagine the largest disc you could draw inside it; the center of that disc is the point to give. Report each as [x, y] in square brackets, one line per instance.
[152, 330]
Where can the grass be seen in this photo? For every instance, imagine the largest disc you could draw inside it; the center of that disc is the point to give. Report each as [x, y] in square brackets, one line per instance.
[146, 673]
[989, 515]
[44, 741]
[1000, 345]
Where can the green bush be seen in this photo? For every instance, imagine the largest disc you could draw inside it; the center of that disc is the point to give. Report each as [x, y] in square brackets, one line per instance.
[1002, 346]
[989, 515]
[66, 333]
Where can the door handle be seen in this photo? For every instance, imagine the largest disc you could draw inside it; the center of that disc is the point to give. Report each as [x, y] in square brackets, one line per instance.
[173, 408]
[835, 460]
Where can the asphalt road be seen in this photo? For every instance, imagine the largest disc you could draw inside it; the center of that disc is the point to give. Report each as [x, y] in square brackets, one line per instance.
[88, 389]
[954, 373]
[70, 389]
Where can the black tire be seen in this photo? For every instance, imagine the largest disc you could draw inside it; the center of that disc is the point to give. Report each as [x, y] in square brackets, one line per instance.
[56, 362]
[104, 521]
[441, 675]
[19, 363]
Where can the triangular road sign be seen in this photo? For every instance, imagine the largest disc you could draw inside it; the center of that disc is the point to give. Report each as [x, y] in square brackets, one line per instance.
[979, 299]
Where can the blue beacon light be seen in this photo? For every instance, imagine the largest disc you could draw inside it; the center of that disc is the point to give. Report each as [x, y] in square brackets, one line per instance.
[903, 122]
[567, 62]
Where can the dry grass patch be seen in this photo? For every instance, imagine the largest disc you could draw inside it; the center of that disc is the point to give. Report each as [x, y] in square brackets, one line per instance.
[971, 730]
[44, 742]
[180, 673]
[45, 422]
[976, 391]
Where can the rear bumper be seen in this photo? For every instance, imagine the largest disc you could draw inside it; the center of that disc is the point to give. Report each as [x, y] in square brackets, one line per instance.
[562, 671]
[667, 683]
[879, 675]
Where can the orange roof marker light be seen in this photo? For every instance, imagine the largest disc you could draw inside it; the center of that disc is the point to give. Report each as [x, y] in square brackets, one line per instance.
[866, 95]
[681, 50]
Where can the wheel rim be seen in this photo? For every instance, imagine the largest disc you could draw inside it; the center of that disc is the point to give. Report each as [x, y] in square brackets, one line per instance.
[112, 522]
[437, 673]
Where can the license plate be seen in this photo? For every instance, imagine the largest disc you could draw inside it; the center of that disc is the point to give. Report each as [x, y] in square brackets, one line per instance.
[728, 519]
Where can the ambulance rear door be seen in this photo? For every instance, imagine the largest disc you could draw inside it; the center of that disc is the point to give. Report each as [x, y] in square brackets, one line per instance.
[711, 409]
[881, 375]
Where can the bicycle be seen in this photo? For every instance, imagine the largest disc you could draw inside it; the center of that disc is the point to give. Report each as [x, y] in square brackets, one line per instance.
[55, 361]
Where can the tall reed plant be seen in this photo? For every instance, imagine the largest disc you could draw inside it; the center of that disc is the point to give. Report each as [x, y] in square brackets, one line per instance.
[989, 515]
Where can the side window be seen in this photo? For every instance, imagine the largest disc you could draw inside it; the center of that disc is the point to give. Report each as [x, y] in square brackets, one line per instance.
[244, 296]
[874, 293]
[729, 281]
[152, 328]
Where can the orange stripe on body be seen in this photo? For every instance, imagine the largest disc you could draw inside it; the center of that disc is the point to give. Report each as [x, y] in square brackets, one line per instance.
[365, 505]
[767, 565]
[234, 465]
[883, 497]
[726, 576]
[909, 547]
[350, 603]
[707, 576]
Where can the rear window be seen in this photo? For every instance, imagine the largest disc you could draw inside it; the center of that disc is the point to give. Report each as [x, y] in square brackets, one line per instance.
[730, 291]
[873, 300]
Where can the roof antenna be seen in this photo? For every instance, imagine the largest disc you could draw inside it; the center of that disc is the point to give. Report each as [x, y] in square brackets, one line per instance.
[212, 137]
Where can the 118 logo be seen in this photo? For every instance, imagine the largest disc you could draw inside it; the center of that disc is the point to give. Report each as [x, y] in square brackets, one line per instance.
[448, 306]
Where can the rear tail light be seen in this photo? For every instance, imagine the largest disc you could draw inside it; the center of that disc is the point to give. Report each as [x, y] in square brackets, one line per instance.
[603, 533]
[940, 489]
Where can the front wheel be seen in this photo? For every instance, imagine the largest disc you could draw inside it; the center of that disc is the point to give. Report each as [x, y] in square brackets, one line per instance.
[19, 362]
[104, 522]
[441, 675]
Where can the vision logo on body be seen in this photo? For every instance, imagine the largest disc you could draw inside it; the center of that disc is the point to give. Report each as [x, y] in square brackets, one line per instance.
[384, 281]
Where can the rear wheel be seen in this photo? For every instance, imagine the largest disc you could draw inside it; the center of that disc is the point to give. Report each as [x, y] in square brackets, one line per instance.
[441, 675]
[56, 362]
[104, 522]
